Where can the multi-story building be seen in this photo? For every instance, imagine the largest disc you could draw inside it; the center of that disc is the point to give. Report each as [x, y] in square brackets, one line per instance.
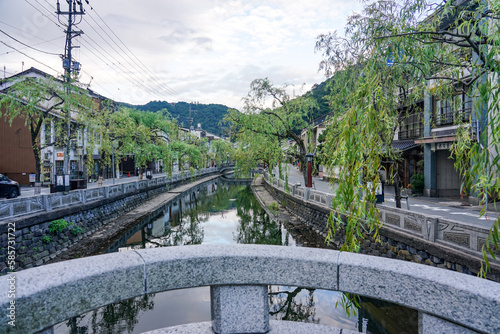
[440, 125]
[406, 141]
[19, 160]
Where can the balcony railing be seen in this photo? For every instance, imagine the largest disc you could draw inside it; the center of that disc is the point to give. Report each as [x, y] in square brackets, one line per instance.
[412, 126]
[452, 117]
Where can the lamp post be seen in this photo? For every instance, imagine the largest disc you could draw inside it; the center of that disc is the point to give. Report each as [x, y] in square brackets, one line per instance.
[113, 146]
[309, 157]
[113, 162]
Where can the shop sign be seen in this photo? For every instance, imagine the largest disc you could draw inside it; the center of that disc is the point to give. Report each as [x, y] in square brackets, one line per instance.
[443, 146]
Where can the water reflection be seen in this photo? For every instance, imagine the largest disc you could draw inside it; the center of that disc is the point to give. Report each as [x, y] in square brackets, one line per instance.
[217, 213]
[120, 317]
[287, 304]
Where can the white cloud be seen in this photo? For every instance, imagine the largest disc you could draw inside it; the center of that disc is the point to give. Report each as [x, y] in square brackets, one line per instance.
[206, 50]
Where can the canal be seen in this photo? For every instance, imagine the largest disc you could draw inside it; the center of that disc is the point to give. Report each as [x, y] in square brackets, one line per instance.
[228, 214]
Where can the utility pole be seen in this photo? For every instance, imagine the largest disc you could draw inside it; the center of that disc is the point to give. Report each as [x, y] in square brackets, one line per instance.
[70, 67]
[190, 119]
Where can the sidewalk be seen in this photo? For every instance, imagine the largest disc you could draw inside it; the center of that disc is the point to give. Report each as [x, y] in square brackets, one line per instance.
[452, 209]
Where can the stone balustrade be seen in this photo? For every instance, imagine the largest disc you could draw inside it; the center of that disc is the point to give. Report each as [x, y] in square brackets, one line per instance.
[239, 275]
[44, 203]
[435, 229]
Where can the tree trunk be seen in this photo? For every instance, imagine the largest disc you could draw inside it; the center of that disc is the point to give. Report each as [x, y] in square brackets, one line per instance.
[36, 151]
[303, 163]
[38, 164]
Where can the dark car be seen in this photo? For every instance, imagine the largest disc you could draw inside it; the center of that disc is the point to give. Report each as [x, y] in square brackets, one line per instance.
[9, 188]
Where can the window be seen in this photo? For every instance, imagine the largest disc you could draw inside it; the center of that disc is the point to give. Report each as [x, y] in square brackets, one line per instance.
[59, 167]
[449, 112]
[412, 126]
[47, 134]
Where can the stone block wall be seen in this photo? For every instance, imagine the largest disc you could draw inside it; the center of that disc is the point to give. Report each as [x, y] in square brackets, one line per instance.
[315, 215]
[393, 243]
[35, 245]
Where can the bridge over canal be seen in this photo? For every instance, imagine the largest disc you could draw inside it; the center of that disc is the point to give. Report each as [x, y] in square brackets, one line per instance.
[446, 301]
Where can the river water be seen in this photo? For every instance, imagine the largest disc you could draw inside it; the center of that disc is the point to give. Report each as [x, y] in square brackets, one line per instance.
[224, 214]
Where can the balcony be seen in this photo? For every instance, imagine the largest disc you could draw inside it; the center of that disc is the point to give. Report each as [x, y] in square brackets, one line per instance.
[412, 127]
[447, 113]
[451, 117]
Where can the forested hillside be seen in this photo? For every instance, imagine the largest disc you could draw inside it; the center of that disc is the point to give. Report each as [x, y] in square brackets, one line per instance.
[208, 115]
[211, 115]
[319, 92]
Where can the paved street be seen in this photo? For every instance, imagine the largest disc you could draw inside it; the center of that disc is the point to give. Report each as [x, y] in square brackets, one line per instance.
[452, 209]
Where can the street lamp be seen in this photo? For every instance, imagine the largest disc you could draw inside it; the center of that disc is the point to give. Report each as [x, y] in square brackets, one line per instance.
[309, 157]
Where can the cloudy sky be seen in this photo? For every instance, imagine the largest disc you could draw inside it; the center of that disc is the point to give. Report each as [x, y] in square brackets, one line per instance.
[183, 50]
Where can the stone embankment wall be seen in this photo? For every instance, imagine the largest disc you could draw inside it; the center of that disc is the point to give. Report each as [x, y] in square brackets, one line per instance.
[394, 243]
[34, 243]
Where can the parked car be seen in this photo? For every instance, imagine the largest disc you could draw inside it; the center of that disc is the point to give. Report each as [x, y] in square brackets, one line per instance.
[9, 188]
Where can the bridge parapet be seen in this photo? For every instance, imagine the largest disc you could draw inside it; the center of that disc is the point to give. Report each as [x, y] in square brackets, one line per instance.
[238, 276]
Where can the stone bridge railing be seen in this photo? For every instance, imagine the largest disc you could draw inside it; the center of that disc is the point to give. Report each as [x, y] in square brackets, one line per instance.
[44, 203]
[447, 302]
[435, 229]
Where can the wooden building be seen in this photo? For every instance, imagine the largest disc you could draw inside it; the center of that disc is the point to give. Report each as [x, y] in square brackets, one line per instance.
[17, 160]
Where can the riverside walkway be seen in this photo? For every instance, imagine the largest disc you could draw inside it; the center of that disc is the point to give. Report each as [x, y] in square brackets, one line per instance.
[447, 208]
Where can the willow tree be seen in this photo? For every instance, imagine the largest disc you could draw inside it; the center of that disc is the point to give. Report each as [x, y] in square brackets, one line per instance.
[186, 153]
[154, 134]
[43, 102]
[252, 148]
[220, 150]
[120, 132]
[271, 113]
[404, 49]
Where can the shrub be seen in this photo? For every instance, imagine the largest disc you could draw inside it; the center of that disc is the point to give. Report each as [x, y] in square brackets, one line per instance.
[57, 226]
[417, 182]
[76, 230]
[47, 239]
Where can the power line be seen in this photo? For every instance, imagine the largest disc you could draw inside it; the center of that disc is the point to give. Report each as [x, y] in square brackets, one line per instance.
[98, 65]
[29, 57]
[49, 53]
[97, 84]
[38, 37]
[48, 11]
[151, 88]
[29, 3]
[1, 54]
[118, 70]
[152, 85]
[168, 89]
